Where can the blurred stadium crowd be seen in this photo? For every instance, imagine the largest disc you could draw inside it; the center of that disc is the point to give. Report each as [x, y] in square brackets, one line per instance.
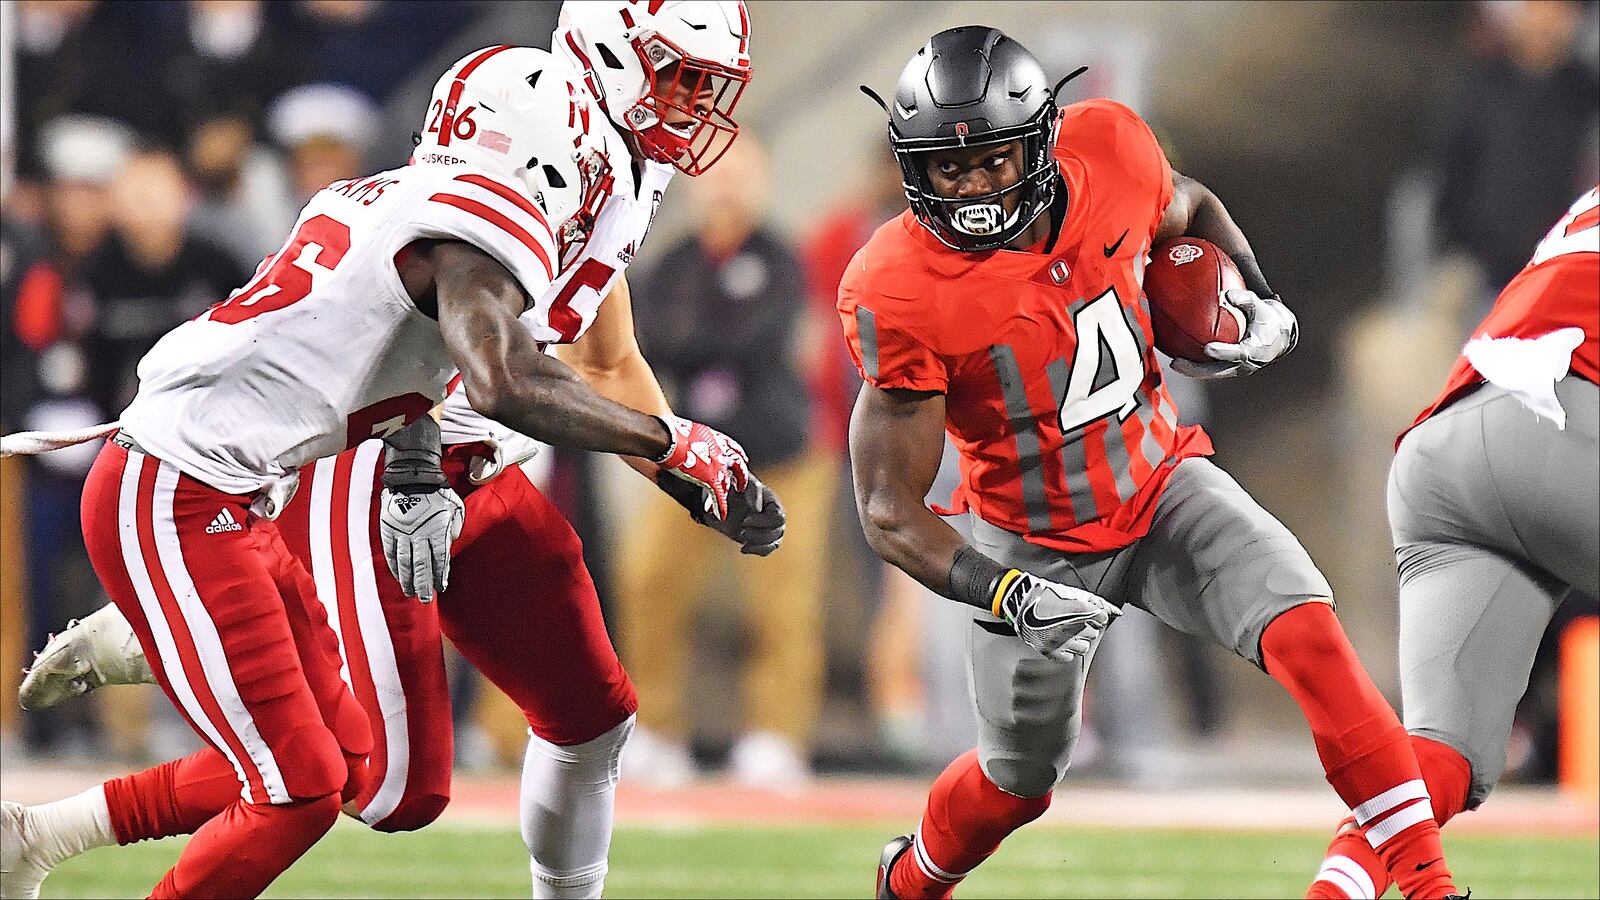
[157, 148]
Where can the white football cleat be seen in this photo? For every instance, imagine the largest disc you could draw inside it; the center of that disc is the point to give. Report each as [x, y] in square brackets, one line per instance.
[21, 872]
[762, 759]
[96, 650]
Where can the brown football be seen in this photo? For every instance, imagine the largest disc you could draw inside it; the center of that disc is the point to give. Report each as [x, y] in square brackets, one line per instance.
[1185, 282]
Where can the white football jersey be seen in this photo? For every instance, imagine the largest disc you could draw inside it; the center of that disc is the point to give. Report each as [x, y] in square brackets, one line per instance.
[323, 348]
[571, 303]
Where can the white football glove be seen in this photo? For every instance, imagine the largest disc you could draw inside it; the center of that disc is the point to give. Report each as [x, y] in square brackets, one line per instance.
[417, 528]
[1060, 622]
[1270, 333]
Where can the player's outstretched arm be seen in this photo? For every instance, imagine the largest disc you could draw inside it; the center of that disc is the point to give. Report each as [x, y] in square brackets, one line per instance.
[509, 379]
[1272, 330]
[896, 439]
[607, 357]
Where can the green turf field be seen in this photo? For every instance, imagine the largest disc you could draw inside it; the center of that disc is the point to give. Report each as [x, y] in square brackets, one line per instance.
[446, 861]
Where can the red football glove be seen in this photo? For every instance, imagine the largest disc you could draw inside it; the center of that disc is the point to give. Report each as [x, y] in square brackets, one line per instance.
[706, 457]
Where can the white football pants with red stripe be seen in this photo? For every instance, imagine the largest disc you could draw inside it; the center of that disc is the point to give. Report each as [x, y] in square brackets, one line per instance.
[228, 620]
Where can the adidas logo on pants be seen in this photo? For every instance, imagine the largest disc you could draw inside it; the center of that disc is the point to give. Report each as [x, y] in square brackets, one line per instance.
[224, 522]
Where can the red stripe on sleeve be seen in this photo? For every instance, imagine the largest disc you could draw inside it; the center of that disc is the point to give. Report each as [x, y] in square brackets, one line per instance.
[508, 193]
[498, 219]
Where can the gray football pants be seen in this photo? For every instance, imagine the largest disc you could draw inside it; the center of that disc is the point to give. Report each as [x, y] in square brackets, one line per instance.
[1214, 564]
[1496, 514]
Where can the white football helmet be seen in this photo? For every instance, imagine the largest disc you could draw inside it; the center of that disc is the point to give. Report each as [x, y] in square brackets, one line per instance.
[668, 71]
[523, 113]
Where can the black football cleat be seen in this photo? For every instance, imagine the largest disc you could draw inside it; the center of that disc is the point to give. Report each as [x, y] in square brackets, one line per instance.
[892, 852]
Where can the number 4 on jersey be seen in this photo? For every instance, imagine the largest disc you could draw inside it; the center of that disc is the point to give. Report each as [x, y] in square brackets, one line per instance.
[1102, 323]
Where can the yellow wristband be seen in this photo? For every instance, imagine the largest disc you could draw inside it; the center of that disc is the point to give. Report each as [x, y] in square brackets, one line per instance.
[1000, 591]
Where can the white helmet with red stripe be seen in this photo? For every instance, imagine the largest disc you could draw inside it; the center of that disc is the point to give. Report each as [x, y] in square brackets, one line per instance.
[668, 71]
[523, 113]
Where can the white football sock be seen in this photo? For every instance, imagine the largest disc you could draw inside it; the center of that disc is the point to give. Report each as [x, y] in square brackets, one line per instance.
[568, 794]
[65, 828]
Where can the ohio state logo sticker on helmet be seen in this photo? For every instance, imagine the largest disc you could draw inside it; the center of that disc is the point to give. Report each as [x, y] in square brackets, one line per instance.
[1185, 253]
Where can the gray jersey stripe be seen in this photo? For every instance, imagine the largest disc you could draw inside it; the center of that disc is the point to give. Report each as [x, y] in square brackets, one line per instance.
[1149, 447]
[867, 329]
[1073, 463]
[1117, 455]
[1029, 456]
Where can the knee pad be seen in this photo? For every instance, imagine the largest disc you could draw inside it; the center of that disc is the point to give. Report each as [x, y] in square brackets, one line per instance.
[1025, 776]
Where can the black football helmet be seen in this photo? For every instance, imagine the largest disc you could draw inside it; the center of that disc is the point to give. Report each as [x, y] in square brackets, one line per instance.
[969, 87]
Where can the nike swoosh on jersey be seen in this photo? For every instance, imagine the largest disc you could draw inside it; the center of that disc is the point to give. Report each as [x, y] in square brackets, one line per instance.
[1112, 248]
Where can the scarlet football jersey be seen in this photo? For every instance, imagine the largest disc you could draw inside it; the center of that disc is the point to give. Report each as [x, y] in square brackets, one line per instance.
[1559, 288]
[1053, 395]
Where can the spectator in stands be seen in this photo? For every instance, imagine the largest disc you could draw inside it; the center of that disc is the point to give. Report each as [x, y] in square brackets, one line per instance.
[236, 60]
[81, 156]
[1520, 137]
[151, 273]
[106, 59]
[326, 130]
[341, 39]
[717, 317]
[885, 671]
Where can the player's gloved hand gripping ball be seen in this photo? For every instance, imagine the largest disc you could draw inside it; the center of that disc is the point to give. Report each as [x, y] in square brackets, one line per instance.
[1270, 332]
[1060, 622]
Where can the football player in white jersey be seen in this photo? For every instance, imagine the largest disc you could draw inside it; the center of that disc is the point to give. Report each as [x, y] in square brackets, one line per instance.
[523, 607]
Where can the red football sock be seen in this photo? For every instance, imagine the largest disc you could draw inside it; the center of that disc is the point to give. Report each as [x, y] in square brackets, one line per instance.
[966, 819]
[1364, 750]
[176, 797]
[241, 850]
[1448, 777]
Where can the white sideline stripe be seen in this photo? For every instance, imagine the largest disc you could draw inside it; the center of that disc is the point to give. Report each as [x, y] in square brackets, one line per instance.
[322, 553]
[207, 642]
[171, 662]
[375, 635]
[927, 865]
[1380, 833]
[1346, 874]
[1401, 793]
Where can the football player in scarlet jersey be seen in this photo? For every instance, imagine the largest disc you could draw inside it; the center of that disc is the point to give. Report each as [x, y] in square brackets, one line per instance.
[1005, 308]
[454, 231]
[1492, 500]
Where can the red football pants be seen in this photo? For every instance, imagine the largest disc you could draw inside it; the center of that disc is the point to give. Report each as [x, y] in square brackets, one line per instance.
[521, 608]
[227, 619]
